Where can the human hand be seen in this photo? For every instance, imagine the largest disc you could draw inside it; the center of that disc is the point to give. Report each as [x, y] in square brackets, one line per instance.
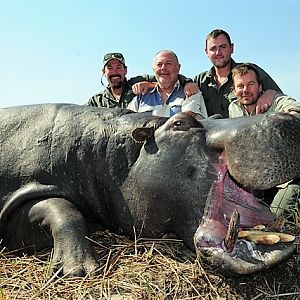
[265, 101]
[141, 88]
[190, 88]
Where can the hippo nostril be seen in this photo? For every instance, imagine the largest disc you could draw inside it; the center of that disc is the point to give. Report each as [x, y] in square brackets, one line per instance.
[191, 170]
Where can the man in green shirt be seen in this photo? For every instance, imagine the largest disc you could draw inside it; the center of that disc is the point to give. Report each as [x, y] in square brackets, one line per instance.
[215, 84]
[247, 88]
[119, 91]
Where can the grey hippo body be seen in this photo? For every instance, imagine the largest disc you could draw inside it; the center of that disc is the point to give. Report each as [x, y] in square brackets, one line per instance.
[66, 169]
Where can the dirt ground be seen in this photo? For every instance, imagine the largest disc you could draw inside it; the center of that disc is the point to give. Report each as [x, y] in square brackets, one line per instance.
[281, 282]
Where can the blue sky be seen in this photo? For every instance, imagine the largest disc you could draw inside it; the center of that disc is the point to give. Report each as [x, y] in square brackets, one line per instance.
[51, 51]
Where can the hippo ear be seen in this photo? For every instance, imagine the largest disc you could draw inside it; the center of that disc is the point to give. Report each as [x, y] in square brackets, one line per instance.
[143, 134]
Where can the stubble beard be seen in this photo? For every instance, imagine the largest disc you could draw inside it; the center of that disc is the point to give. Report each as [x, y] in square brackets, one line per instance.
[116, 85]
[222, 64]
[248, 102]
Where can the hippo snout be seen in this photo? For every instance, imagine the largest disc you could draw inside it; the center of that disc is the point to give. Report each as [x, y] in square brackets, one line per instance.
[228, 236]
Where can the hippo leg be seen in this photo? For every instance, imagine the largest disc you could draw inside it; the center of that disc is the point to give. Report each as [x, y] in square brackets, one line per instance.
[57, 222]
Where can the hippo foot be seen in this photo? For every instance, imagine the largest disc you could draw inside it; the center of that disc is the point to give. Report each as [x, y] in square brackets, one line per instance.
[73, 254]
[74, 262]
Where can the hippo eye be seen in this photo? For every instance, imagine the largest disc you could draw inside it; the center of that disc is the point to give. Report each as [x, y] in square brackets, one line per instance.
[178, 123]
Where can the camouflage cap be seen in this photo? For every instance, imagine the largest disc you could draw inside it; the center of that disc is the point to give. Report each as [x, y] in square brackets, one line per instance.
[110, 56]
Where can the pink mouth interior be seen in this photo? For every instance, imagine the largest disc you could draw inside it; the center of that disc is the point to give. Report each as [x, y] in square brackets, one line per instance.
[225, 196]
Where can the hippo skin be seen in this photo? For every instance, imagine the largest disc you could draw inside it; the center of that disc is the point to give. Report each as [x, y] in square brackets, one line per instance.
[67, 170]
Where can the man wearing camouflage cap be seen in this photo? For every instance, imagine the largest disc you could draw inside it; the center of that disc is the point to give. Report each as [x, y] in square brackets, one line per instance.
[118, 92]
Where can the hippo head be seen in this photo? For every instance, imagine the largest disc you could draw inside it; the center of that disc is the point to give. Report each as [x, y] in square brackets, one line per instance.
[258, 153]
[209, 171]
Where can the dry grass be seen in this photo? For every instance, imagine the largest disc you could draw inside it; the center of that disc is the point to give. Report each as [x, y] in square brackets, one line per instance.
[140, 270]
[162, 269]
[145, 269]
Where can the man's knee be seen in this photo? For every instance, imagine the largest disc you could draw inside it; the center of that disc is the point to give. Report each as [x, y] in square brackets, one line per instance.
[286, 201]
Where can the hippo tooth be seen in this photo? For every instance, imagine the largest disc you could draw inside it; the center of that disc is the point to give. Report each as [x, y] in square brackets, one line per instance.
[232, 231]
[286, 238]
[259, 227]
[266, 238]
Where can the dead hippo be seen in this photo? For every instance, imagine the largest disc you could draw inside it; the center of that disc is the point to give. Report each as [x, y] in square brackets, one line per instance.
[66, 169]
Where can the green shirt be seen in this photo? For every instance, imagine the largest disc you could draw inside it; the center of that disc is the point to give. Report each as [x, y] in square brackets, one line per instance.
[280, 102]
[217, 99]
[107, 99]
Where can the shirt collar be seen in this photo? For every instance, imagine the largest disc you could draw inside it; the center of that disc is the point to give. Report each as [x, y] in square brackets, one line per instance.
[243, 108]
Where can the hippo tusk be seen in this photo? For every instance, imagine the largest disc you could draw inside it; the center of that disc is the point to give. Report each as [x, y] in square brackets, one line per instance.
[232, 231]
[256, 235]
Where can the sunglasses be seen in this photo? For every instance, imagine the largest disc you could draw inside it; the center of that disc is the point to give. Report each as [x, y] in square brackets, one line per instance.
[113, 55]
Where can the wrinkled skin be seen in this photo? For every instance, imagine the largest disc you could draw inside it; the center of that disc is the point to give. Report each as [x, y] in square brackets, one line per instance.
[257, 153]
[67, 170]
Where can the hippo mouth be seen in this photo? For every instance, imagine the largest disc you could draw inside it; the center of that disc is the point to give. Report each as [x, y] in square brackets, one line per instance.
[238, 234]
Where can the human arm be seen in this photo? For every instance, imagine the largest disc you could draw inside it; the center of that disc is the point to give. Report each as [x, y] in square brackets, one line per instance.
[141, 84]
[284, 103]
[270, 88]
[141, 88]
[190, 88]
[264, 102]
[195, 105]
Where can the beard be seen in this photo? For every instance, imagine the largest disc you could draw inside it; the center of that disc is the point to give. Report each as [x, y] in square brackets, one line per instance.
[221, 63]
[114, 82]
[116, 85]
[248, 101]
